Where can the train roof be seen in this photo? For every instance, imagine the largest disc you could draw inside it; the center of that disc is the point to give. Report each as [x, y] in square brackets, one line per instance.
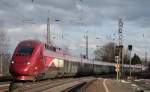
[30, 42]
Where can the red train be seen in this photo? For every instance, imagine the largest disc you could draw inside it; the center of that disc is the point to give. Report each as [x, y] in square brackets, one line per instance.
[34, 60]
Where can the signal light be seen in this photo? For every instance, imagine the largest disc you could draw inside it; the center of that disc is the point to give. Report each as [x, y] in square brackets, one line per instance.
[130, 47]
[117, 51]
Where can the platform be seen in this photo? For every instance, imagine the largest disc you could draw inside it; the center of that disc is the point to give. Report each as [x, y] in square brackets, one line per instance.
[110, 85]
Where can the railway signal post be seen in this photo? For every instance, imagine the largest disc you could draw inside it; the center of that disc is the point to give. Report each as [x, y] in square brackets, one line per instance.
[117, 67]
[130, 49]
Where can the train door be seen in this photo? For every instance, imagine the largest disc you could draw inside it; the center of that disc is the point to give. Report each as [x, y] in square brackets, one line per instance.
[65, 68]
[60, 67]
[40, 67]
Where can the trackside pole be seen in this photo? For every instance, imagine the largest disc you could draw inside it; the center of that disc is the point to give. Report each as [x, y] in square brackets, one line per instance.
[117, 66]
[117, 77]
[117, 71]
[1, 59]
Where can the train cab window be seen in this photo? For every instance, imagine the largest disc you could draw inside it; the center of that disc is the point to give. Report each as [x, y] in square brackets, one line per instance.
[25, 51]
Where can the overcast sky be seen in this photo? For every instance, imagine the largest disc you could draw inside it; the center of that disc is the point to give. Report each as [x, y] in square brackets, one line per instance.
[24, 19]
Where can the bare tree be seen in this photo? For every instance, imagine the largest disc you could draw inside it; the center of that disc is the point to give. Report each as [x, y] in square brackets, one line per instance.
[126, 57]
[3, 42]
[106, 53]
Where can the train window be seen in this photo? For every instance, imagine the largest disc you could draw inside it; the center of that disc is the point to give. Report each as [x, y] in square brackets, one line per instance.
[25, 50]
[45, 46]
[50, 48]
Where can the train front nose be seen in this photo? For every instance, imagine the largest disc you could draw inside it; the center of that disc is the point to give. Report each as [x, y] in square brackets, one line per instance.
[21, 72]
[20, 69]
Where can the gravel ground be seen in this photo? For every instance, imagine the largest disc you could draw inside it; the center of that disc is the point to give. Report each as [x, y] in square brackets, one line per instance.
[143, 84]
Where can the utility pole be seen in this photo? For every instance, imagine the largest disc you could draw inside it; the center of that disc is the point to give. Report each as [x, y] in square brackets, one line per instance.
[130, 63]
[145, 58]
[120, 26]
[48, 31]
[86, 37]
[1, 58]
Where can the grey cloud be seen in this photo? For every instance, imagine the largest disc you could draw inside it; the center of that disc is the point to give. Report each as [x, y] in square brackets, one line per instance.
[73, 13]
[92, 11]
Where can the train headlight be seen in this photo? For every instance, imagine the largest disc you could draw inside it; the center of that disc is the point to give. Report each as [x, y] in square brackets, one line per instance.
[12, 62]
[28, 63]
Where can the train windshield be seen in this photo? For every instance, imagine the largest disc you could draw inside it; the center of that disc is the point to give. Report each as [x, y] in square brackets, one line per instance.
[25, 51]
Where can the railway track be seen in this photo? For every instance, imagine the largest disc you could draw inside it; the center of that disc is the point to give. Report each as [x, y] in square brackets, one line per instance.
[4, 87]
[40, 86]
[79, 87]
[50, 85]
